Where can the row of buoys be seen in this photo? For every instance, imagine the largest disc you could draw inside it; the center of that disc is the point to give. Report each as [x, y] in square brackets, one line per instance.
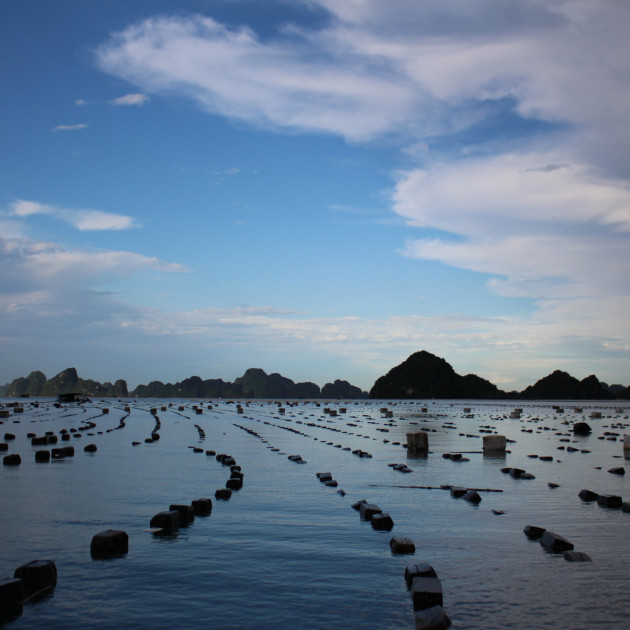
[471, 496]
[327, 479]
[425, 589]
[555, 543]
[358, 452]
[169, 521]
[517, 473]
[604, 500]
[403, 468]
[30, 581]
[374, 514]
[455, 457]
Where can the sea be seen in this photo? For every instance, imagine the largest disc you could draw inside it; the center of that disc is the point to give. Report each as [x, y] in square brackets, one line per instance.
[288, 551]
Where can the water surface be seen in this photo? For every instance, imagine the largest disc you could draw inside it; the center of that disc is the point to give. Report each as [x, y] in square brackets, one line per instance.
[285, 551]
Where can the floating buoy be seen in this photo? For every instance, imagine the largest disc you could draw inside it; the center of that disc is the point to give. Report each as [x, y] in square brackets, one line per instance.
[38, 577]
[11, 598]
[202, 507]
[167, 521]
[186, 513]
[109, 544]
[42, 456]
[400, 545]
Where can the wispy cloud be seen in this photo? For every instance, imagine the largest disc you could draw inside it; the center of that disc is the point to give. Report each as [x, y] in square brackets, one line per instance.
[137, 100]
[413, 67]
[81, 219]
[544, 231]
[278, 84]
[70, 127]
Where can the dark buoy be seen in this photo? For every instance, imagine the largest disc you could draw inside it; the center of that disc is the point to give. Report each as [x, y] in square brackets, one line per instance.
[587, 495]
[11, 598]
[472, 496]
[90, 448]
[12, 460]
[419, 569]
[400, 545]
[458, 492]
[234, 483]
[202, 507]
[533, 532]
[368, 510]
[581, 428]
[109, 544]
[609, 500]
[555, 542]
[426, 592]
[223, 494]
[186, 513]
[42, 456]
[382, 522]
[39, 577]
[167, 521]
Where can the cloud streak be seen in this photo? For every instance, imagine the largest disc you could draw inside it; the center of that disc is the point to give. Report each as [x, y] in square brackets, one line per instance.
[231, 72]
[131, 100]
[413, 67]
[83, 220]
[77, 127]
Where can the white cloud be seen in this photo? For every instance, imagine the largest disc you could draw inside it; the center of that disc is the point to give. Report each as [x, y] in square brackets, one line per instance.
[137, 100]
[421, 68]
[280, 84]
[24, 208]
[544, 230]
[44, 266]
[95, 220]
[70, 127]
[84, 220]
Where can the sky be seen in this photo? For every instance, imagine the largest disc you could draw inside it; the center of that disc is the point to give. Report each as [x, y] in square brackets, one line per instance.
[315, 188]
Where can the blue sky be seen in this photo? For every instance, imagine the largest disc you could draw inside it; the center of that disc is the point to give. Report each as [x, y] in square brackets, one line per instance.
[315, 188]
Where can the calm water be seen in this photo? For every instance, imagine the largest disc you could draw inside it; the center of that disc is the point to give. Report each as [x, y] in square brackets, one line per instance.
[287, 552]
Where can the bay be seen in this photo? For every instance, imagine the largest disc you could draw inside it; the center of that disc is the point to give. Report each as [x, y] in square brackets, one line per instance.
[286, 551]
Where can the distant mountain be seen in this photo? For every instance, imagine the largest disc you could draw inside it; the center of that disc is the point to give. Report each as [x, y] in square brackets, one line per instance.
[617, 390]
[68, 381]
[423, 375]
[561, 385]
[255, 383]
[32, 385]
[342, 390]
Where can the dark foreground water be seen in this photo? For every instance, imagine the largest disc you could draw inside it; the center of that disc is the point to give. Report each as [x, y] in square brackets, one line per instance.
[287, 552]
